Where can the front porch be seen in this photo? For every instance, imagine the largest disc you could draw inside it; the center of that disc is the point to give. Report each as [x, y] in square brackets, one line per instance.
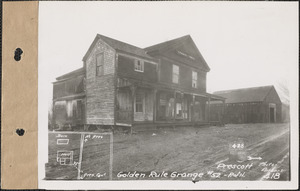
[148, 105]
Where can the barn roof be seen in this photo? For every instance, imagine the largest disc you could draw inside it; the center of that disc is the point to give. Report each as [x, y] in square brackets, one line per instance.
[255, 94]
[186, 41]
[119, 46]
[76, 72]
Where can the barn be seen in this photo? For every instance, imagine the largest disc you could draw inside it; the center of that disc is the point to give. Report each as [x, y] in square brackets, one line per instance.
[249, 105]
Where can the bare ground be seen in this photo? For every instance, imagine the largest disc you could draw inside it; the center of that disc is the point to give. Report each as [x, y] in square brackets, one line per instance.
[189, 150]
[207, 150]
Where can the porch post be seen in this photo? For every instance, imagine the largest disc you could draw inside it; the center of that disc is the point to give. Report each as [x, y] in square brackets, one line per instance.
[182, 108]
[133, 93]
[208, 110]
[174, 117]
[154, 104]
[193, 110]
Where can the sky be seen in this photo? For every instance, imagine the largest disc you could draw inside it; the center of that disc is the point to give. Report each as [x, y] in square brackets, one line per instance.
[246, 44]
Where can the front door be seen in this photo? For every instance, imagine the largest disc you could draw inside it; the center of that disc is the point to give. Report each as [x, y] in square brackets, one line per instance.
[272, 113]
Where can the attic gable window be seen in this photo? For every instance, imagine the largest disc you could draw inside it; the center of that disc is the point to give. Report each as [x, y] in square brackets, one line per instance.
[175, 76]
[194, 79]
[138, 66]
[99, 64]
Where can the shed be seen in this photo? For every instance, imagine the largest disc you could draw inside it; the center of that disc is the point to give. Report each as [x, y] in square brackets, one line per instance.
[250, 105]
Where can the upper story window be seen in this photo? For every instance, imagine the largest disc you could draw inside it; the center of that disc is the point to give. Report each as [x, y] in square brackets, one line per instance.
[175, 76]
[99, 64]
[194, 79]
[138, 66]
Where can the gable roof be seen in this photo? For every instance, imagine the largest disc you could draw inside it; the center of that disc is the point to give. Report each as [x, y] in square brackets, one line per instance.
[172, 44]
[255, 94]
[76, 72]
[119, 46]
[167, 44]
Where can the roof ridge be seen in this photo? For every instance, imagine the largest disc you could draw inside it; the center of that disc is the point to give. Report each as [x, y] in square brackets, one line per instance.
[100, 35]
[269, 92]
[168, 41]
[118, 45]
[252, 94]
[237, 89]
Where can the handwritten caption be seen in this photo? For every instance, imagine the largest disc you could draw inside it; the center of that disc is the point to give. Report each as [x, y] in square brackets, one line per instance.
[234, 171]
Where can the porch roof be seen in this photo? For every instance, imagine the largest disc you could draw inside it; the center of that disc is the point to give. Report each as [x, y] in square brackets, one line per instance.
[74, 96]
[165, 87]
[74, 73]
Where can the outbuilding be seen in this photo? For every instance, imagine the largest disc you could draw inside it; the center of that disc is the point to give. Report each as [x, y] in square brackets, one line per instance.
[249, 105]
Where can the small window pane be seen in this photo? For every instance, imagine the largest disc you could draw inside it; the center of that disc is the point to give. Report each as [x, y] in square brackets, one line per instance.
[139, 66]
[195, 76]
[175, 76]
[194, 79]
[178, 109]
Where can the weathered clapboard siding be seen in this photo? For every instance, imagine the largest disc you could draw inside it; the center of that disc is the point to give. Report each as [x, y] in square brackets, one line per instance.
[69, 111]
[201, 82]
[273, 98]
[185, 76]
[252, 112]
[244, 113]
[68, 87]
[126, 69]
[124, 106]
[100, 90]
[182, 50]
[250, 105]
[68, 100]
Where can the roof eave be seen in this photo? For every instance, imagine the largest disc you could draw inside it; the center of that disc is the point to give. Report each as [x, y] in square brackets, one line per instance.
[90, 48]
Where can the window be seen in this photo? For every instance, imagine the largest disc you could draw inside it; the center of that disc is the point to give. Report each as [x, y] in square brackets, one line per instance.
[178, 110]
[138, 66]
[99, 64]
[195, 78]
[139, 103]
[175, 77]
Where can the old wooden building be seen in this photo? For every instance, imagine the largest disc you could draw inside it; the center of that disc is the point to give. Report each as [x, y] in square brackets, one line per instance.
[124, 85]
[249, 105]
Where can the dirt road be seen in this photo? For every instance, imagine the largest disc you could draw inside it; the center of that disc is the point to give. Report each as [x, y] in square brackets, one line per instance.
[208, 151]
